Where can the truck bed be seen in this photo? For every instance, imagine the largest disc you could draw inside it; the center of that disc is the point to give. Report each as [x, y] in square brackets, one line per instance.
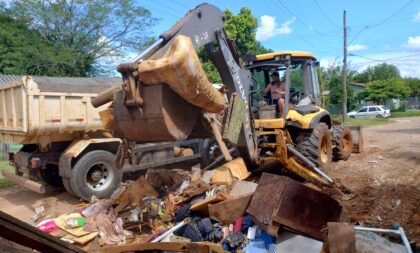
[57, 107]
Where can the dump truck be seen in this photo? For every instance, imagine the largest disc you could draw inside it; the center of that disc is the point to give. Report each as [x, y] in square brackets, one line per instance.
[64, 142]
[166, 96]
[62, 136]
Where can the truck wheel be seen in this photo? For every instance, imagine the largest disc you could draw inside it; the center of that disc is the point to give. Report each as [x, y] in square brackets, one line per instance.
[95, 174]
[210, 150]
[343, 143]
[317, 145]
[66, 184]
[50, 175]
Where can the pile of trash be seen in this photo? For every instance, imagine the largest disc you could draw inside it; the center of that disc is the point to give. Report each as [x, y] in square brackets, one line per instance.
[221, 210]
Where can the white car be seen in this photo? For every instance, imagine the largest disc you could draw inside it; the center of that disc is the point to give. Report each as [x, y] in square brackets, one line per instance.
[370, 112]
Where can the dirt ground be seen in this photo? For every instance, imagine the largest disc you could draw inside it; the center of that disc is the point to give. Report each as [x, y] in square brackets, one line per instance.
[386, 178]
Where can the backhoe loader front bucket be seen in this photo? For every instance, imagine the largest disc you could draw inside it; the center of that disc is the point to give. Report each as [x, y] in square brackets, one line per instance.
[357, 136]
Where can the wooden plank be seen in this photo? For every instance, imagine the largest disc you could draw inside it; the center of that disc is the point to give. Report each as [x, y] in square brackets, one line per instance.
[204, 247]
[230, 210]
[24, 234]
[25, 182]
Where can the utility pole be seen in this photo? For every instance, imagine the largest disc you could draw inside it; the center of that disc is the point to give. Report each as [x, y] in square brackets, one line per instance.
[345, 69]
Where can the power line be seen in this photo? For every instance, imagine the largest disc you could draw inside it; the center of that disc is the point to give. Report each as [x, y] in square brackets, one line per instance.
[325, 14]
[181, 4]
[386, 59]
[357, 35]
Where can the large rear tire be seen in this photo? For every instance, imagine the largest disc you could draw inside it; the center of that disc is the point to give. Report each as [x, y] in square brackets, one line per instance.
[95, 174]
[343, 143]
[317, 145]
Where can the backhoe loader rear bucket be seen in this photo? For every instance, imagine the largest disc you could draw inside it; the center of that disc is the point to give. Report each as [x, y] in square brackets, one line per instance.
[357, 136]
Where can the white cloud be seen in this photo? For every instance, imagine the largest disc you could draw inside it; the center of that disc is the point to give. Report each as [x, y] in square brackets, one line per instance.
[269, 27]
[357, 47]
[413, 42]
[416, 17]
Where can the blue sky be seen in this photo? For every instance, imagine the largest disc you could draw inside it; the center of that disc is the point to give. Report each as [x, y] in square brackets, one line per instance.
[379, 30]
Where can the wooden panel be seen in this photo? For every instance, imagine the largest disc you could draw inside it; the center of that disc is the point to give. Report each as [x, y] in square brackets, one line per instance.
[230, 210]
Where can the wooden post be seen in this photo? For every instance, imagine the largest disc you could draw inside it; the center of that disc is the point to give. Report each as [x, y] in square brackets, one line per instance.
[345, 69]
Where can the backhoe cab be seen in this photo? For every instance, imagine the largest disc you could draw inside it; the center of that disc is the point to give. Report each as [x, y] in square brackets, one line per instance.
[308, 125]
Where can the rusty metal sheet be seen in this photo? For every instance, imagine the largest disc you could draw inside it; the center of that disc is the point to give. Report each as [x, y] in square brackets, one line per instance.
[306, 210]
[293, 205]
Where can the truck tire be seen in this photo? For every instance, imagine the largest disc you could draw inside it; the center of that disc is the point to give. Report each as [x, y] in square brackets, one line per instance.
[210, 150]
[50, 175]
[343, 143]
[95, 174]
[317, 145]
[66, 184]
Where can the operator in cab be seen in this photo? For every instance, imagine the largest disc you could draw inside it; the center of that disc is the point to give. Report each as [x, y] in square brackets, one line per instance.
[277, 91]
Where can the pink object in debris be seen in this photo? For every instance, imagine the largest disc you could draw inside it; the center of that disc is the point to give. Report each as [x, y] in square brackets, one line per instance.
[47, 226]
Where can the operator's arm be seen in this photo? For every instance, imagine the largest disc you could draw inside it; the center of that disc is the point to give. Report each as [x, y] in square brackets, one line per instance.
[266, 89]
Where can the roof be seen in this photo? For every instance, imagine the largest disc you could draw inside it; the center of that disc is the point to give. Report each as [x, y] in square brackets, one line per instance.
[269, 56]
[67, 84]
[358, 84]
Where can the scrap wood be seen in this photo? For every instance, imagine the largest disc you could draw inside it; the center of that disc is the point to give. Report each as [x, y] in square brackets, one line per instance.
[193, 189]
[81, 239]
[200, 247]
[202, 206]
[134, 194]
[240, 187]
[228, 211]
[233, 170]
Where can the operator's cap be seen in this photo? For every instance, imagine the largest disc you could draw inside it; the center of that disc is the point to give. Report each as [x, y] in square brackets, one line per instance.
[275, 74]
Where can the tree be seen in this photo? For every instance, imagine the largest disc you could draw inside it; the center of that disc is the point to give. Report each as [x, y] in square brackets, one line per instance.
[414, 85]
[242, 28]
[379, 72]
[379, 90]
[333, 79]
[25, 51]
[83, 33]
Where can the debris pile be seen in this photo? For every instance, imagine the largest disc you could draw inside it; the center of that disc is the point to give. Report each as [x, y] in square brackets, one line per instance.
[221, 210]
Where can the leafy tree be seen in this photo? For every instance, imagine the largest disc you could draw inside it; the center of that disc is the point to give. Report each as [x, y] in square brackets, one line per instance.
[25, 51]
[414, 85]
[333, 79]
[242, 28]
[379, 90]
[78, 34]
[379, 72]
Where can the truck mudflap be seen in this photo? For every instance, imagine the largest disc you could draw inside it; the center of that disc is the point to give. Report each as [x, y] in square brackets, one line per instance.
[25, 182]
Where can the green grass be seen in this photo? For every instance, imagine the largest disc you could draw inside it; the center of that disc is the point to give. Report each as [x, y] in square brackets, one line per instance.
[4, 165]
[364, 122]
[368, 122]
[405, 114]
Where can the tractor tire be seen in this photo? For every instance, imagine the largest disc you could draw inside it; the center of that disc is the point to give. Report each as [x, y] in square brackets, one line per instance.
[95, 174]
[317, 145]
[342, 142]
